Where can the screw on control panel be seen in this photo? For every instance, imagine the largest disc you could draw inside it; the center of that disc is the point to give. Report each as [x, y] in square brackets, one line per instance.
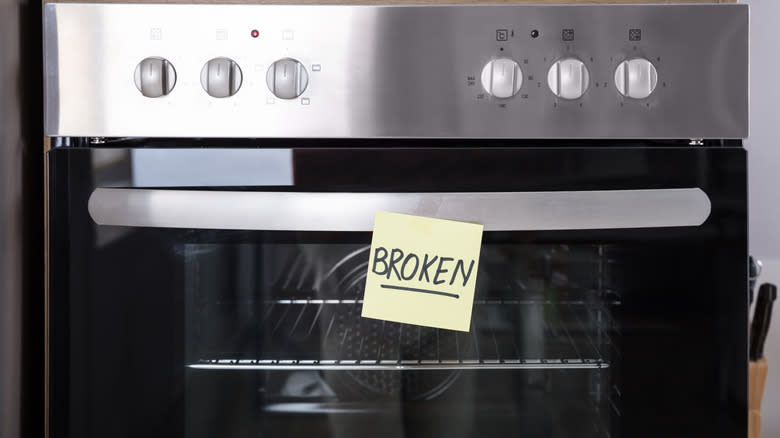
[534, 33]
[97, 140]
[696, 142]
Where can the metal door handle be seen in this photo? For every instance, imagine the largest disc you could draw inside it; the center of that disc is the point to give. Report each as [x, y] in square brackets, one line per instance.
[309, 211]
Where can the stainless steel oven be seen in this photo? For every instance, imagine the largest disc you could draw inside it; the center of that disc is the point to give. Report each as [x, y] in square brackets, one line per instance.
[215, 172]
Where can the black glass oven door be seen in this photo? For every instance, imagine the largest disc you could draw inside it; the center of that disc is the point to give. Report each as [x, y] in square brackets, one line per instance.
[217, 292]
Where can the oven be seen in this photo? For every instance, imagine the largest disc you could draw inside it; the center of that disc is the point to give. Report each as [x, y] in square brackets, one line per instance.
[215, 172]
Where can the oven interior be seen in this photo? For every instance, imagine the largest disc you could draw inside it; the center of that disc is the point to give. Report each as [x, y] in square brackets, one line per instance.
[275, 342]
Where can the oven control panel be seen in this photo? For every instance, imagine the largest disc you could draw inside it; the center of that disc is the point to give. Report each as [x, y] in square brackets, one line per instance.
[512, 71]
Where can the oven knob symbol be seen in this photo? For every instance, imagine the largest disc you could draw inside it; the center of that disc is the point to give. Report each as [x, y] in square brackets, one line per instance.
[221, 77]
[155, 77]
[568, 78]
[502, 78]
[287, 78]
[636, 78]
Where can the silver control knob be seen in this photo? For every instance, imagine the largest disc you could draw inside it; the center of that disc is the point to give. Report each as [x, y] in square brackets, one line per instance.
[502, 78]
[568, 78]
[287, 78]
[221, 77]
[155, 77]
[636, 78]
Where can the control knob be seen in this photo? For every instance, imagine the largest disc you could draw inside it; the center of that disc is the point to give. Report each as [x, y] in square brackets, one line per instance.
[502, 78]
[155, 77]
[636, 78]
[221, 77]
[568, 78]
[287, 78]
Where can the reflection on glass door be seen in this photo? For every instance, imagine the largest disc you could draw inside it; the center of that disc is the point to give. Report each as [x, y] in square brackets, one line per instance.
[282, 321]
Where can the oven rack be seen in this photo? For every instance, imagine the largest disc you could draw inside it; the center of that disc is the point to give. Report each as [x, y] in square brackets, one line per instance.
[300, 278]
[395, 365]
[519, 293]
[476, 301]
[309, 334]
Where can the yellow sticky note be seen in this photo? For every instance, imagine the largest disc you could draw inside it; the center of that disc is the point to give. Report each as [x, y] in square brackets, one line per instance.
[422, 271]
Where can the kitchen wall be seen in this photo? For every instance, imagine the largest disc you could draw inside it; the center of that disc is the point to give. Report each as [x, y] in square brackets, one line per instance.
[764, 196]
[764, 161]
[21, 220]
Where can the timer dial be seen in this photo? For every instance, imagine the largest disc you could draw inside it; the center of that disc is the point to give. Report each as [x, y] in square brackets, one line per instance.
[568, 78]
[502, 78]
[636, 78]
[155, 77]
[287, 78]
[221, 77]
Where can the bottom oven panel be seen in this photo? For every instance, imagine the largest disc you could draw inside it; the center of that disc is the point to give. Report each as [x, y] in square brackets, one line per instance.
[233, 333]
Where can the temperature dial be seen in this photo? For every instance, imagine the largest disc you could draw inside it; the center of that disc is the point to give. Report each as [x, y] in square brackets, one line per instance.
[502, 78]
[221, 77]
[636, 78]
[155, 77]
[568, 78]
[287, 78]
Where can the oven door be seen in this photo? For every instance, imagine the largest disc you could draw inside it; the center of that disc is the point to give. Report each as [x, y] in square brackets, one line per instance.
[218, 292]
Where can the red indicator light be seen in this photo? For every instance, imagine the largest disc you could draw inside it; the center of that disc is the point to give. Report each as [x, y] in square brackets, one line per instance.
[255, 33]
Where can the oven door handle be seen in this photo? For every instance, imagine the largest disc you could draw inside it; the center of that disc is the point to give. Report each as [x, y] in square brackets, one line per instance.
[328, 211]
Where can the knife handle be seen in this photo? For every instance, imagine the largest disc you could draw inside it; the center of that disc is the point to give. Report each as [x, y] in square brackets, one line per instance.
[754, 270]
[767, 294]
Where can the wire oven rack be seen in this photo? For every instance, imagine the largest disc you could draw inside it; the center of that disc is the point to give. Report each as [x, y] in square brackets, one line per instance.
[329, 334]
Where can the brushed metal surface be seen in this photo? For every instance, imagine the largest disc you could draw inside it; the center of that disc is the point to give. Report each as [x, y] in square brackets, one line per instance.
[396, 71]
[305, 211]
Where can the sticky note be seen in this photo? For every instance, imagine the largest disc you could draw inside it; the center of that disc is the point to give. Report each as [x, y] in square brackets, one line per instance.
[422, 271]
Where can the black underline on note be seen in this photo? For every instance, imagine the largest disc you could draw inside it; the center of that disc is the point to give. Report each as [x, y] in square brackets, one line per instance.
[425, 291]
